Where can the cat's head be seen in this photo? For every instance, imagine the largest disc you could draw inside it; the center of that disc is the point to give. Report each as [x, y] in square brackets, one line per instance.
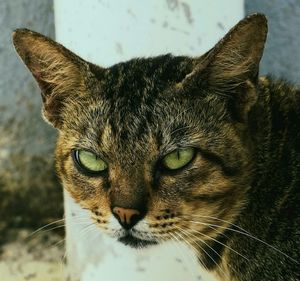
[156, 148]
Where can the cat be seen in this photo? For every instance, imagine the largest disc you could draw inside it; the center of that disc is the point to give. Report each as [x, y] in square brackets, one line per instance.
[198, 149]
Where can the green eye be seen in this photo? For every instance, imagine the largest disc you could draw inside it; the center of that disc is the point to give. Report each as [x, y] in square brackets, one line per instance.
[89, 162]
[178, 158]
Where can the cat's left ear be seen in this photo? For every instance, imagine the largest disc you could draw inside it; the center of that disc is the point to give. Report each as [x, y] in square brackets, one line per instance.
[57, 70]
[231, 67]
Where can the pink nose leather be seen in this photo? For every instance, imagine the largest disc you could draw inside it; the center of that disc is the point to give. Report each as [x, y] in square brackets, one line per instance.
[125, 215]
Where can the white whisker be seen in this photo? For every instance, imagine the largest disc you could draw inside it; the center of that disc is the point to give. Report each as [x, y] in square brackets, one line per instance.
[214, 218]
[203, 241]
[188, 235]
[184, 258]
[43, 227]
[217, 241]
[248, 235]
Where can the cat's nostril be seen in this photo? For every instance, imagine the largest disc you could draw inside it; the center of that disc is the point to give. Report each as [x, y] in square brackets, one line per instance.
[127, 217]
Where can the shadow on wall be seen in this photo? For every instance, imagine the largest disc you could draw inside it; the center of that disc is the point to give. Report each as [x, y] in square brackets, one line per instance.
[30, 195]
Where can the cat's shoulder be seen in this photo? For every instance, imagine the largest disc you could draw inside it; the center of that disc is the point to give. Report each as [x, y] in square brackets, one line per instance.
[280, 91]
[280, 101]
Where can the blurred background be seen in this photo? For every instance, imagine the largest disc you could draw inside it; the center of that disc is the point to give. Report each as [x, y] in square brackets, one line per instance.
[30, 194]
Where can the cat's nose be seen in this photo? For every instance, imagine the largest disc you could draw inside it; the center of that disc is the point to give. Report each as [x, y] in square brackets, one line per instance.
[127, 217]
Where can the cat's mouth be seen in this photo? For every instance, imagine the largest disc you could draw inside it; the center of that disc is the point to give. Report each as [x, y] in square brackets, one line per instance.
[134, 242]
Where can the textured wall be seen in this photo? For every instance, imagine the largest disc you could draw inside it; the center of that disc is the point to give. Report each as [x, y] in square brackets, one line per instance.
[26, 142]
[282, 54]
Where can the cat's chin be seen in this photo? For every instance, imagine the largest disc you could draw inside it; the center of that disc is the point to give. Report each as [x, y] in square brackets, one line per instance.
[136, 243]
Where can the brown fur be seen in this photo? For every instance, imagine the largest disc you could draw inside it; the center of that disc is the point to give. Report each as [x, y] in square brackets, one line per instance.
[134, 113]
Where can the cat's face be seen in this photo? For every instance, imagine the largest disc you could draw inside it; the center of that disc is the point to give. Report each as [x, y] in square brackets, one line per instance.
[133, 120]
[156, 149]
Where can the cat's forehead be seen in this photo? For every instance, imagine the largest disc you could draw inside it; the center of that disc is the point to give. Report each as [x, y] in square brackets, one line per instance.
[135, 105]
[139, 91]
[144, 75]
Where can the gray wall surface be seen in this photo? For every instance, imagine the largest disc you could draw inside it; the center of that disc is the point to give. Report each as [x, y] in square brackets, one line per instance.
[26, 143]
[282, 53]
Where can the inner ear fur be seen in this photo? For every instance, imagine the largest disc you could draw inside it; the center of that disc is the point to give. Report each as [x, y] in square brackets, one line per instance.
[231, 67]
[57, 70]
[236, 58]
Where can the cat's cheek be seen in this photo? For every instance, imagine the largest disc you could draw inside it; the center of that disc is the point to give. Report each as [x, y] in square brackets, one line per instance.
[89, 194]
[68, 186]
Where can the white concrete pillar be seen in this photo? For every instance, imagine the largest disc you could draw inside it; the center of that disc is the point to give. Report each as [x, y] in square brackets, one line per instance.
[106, 32]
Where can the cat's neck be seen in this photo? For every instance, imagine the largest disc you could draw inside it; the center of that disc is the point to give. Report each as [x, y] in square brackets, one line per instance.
[273, 124]
[273, 121]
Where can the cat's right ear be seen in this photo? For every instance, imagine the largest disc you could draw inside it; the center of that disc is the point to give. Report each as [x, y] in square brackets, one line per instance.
[57, 70]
